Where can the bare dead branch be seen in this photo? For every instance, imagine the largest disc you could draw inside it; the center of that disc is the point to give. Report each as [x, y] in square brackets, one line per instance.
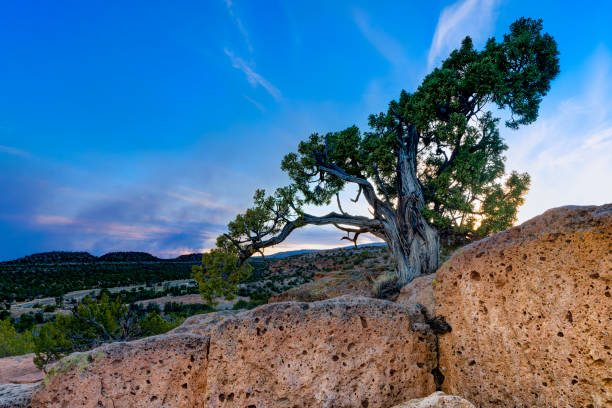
[339, 205]
[358, 194]
[380, 183]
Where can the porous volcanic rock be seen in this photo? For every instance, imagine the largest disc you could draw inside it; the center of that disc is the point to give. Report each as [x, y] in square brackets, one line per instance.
[531, 313]
[420, 291]
[346, 351]
[328, 286]
[437, 400]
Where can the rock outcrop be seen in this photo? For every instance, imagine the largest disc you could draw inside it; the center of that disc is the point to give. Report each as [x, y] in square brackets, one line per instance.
[421, 292]
[437, 400]
[531, 313]
[328, 286]
[16, 395]
[342, 352]
[19, 370]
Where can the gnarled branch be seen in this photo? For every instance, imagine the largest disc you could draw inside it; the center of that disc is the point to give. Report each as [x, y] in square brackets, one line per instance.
[362, 224]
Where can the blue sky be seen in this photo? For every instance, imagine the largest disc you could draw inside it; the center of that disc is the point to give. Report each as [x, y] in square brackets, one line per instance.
[148, 125]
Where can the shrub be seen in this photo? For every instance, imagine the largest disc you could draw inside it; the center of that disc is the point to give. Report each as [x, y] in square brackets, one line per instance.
[241, 304]
[51, 344]
[386, 286]
[13, 343]
[153, 324]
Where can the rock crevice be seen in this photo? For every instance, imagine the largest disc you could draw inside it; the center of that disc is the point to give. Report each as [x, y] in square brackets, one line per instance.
[531, 313]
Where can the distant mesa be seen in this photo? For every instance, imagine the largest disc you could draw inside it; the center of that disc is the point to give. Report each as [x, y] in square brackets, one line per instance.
[195, 257]
[286, 254]
[128, 257]
[55, 257]
[58, 257]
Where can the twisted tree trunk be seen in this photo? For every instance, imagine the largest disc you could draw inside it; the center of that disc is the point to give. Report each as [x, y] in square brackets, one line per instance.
[415, 252]
[413, 243]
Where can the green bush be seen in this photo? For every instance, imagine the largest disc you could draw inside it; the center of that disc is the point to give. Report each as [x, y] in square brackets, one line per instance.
[219, 275]
[13, 343]
[51, 344]
[153, 324]
[96, 321]
[241, 304]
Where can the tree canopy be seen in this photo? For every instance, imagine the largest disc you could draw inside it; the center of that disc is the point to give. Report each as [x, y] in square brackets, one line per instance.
[431, 165]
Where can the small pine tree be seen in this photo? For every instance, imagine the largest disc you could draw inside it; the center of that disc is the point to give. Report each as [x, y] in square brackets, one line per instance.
[219, 275]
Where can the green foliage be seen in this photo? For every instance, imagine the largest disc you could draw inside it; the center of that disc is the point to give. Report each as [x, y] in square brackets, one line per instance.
[219, 275]
[241, 304]
[92, 322]
[28, 321]
[13, 343]
[27, 281]
[460, 162]
[257, 299]
[51, 344]
[110, 319]
[437, 151]
[258, 220]
[180, 311]
[342, 148]
[154, 324]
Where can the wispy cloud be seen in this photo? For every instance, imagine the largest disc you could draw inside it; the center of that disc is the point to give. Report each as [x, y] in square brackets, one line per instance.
[58, 220]
[13, 151]
[386, 45]
[112, 229]
[255, 103]
[253, 77]
[241, 28]
[567, 152]
[475, 18]
[203, 200]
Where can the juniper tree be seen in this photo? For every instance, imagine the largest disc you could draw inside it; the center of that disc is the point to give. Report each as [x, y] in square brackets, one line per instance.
[431, 166]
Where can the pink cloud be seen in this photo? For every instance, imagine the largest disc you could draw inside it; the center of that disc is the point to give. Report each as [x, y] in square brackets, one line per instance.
[114, 229]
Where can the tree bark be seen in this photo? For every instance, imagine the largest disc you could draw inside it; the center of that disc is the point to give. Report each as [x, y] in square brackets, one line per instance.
[415, 253]
[413, 243]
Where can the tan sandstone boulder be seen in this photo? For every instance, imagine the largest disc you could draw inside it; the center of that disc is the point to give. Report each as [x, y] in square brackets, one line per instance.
[531, 313]
[346, 351]
[437, 400]
[19, 370]
[420, 291]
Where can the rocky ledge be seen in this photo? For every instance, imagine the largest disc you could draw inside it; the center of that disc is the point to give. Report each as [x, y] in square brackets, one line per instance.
[346, 351]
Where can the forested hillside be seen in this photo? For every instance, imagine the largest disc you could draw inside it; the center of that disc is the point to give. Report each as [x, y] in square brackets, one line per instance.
[56, 273]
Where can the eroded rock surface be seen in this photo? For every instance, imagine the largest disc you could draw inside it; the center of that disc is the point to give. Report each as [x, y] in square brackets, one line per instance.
[531, 313]
[16, 395]
[437, 400]
[19, 370]
[420, 291]
[330, 285]
[342, 352]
